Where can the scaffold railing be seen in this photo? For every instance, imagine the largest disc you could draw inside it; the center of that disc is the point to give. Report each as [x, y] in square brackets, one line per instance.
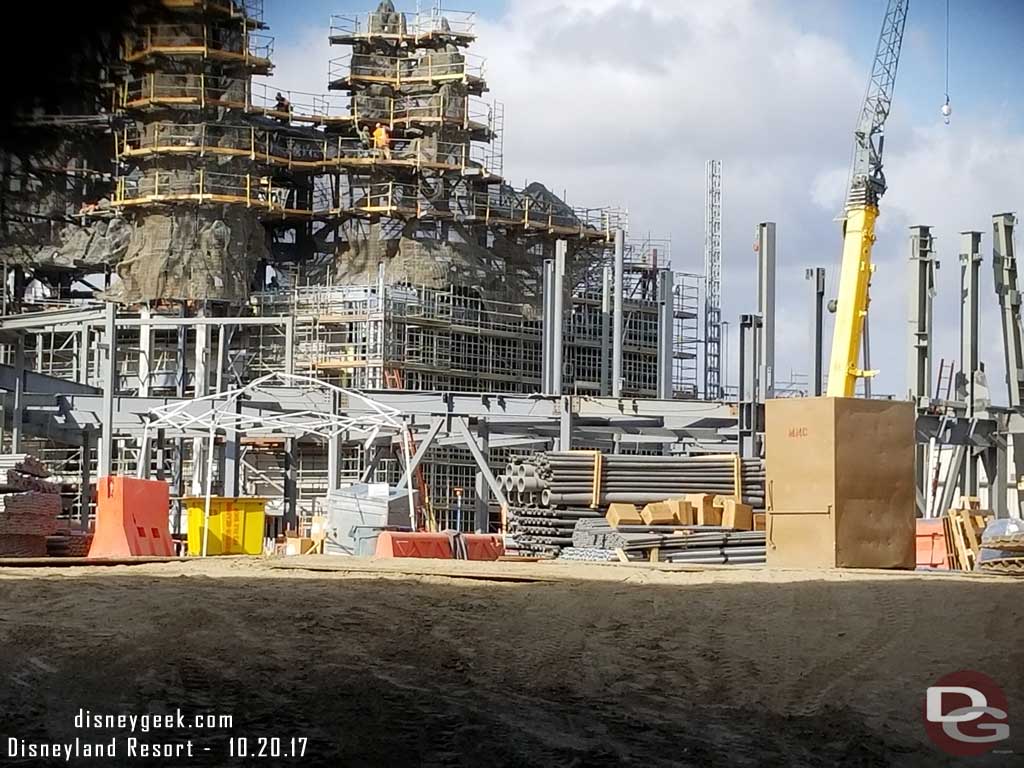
[199, 40]
[422, 27]
[385, 199]
[249, 10]
[428, 67]
[277, 148]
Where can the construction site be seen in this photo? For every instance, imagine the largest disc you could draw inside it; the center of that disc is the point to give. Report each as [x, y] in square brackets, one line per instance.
[327, 442]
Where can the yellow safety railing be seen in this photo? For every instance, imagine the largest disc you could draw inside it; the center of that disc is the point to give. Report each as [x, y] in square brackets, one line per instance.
[198, 39]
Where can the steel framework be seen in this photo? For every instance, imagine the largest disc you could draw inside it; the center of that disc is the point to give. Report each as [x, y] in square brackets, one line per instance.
[713, 281]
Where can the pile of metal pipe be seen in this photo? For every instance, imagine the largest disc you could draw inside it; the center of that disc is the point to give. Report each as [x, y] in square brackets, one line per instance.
[567, 478]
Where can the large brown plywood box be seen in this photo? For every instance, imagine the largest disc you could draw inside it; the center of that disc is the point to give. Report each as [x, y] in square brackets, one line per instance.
[840, 483]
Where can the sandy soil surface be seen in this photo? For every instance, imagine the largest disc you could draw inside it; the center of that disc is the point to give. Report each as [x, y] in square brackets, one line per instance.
[446, 664]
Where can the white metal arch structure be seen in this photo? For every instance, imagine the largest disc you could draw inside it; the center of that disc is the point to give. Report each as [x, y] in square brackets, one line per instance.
[227, 412]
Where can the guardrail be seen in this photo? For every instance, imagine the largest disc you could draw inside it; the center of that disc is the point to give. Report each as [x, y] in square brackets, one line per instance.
[199, 40]
[271, 147]
[426, 67]
[404, 27]
[388, 199]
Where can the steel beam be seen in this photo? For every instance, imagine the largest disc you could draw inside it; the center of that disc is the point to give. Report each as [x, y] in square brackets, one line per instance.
[482, 464]
[618, 330]
[766, 308]
[85, 482]
[421, 449]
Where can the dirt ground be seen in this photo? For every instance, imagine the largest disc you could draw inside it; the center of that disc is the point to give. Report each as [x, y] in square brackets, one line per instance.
[447, 664]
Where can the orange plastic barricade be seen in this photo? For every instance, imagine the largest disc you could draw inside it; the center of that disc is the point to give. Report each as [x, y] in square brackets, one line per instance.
[931, 545]
[483, 546]
[131, 518]
[407, 544]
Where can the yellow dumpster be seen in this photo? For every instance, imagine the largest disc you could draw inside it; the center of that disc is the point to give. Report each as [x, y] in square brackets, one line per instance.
[236, 525]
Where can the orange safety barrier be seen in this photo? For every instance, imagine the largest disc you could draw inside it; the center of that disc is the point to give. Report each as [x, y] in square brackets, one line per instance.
[407, 544]
[131, 518]
[483, 546]
[931, 545]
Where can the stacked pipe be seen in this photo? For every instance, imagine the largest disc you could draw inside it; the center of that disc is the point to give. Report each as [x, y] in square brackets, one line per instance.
[693, 544]
[549, 492]
[568, 478]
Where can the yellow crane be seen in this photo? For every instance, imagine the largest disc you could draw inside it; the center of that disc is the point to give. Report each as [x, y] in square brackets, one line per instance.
[867, 185]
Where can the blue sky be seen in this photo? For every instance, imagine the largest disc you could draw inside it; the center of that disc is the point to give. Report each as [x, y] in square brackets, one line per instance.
[621, 101]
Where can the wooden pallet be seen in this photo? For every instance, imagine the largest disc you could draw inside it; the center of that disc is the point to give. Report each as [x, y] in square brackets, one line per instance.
[963, 528]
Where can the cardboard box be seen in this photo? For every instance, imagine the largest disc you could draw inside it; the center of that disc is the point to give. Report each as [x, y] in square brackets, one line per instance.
[840, 475]
[622, 514]
[760, 519]
[737, 516]
[658, 513]
[293, 545]
[704, 508]
[682, 512]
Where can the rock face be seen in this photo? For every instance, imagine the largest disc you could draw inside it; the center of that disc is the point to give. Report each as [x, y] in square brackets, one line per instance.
[207, 253]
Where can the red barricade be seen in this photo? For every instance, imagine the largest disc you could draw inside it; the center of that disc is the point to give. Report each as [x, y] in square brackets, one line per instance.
[131, 518]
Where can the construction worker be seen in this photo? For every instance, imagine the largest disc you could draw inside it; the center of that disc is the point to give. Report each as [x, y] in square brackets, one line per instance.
[363, 132]
[283, 105]
[382, 141]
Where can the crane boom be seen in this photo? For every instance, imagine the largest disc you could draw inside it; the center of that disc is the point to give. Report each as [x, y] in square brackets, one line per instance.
[866, 187]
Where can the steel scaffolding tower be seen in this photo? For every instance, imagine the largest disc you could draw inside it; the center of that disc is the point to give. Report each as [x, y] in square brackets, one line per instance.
[713, 281]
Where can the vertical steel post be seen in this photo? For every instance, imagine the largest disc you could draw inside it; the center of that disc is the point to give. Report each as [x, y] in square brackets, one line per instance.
[19, 394]
[666, 333]
[561, 249]
[200, 388]
[85, 482]
[920, 295]
[83, 354]
[482, 521]
[1004, 266]
[748, 424]
[713, 326]
[817, 278]
[617, 313]
[606, 330]
[970, 269]
[766, 308]
[145, 353]
[106, 461]
[547, 298]
[291, 486]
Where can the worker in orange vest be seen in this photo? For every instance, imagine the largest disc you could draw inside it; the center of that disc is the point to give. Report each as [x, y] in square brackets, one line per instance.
[382, 141]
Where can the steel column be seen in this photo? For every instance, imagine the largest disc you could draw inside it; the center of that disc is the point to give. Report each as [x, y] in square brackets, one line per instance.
[766, 308]
[19, 394]
[606, 330]
[289, 344]
[85, 482]
[558, 326]
[817, 278]
[920, 296]
[1004, 267]
[547, 350]
[291, 486]
[145, 353]
[748, 424]
[106, 459]
[666, 333]
[617, 313]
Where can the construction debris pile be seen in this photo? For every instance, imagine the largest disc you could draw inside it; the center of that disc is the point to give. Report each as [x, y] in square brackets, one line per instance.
[29, 506]
[583, 502]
